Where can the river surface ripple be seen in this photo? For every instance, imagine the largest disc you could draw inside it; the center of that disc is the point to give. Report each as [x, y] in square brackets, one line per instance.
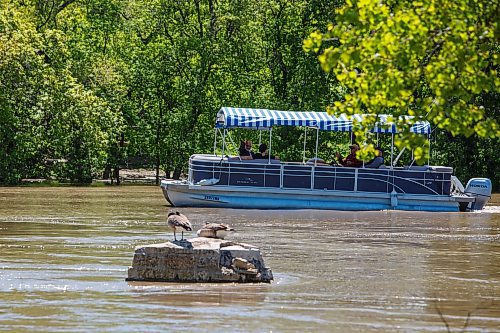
[65, 253]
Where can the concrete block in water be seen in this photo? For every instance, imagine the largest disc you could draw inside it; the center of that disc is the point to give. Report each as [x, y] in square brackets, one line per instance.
[199, 260]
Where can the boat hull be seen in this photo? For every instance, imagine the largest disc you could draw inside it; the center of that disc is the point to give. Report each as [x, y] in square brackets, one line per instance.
[183, 194]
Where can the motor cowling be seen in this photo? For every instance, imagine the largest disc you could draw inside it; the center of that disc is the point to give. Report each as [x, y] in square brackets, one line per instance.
[480, 188]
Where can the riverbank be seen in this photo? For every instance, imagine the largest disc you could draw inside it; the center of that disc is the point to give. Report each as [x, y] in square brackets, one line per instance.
[127, 177]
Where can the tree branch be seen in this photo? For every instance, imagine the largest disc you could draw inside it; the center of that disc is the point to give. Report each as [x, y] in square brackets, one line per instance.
[52, 14]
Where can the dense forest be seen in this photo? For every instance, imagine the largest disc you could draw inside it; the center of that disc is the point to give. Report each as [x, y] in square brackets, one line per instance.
[91, 86]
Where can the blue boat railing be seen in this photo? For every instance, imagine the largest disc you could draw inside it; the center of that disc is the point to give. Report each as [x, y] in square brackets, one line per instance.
[290, 175]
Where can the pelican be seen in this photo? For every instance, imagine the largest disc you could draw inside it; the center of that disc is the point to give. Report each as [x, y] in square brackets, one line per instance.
[178, 222]
[214, 230]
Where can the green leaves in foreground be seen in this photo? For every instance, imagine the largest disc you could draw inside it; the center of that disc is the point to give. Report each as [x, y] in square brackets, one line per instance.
[428, 59]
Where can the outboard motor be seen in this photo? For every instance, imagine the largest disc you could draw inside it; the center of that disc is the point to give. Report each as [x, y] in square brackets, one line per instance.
[480, 188]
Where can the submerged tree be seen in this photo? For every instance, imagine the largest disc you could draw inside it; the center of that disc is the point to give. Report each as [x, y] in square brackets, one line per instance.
[430, 59]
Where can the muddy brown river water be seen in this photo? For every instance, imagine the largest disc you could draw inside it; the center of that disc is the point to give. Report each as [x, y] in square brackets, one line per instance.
[64, 254]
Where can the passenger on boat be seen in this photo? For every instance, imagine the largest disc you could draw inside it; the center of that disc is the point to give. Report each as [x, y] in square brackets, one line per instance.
[245, 150]
[350, 160]
[378, 160]
[264, 153]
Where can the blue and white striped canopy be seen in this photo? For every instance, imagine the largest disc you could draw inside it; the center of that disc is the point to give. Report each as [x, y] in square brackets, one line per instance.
[262, 118]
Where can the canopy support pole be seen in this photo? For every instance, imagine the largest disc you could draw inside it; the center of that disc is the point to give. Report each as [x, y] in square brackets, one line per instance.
[315, 159]
[392, 148]
[270, 145]
[317, 140]
[215, 139]
[304, 152]
[429, 154]
[224, 142]
[399, 156]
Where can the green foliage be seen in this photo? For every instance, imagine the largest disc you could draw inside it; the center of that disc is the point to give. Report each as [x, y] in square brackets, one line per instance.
[96, 84]
[428, 59]
[45, 112]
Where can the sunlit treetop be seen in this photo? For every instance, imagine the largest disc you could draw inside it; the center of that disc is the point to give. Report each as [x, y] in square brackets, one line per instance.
[429, 59]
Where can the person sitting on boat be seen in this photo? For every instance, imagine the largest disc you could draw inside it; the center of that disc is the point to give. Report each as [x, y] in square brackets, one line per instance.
[350, 160]
[245, 150]
[264, 153]
[378, 160]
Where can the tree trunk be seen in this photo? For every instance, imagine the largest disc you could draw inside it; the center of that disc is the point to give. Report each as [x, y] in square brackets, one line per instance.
[177, 173]
[116, 174]
[107, 171]
[157, 171]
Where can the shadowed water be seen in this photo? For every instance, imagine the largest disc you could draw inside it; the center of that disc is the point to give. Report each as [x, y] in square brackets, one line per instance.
[65, 253]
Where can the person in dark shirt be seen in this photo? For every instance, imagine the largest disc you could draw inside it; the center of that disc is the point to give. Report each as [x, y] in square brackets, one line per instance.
[263, 153]
[378, 160]
[350, 160]
[245, 150]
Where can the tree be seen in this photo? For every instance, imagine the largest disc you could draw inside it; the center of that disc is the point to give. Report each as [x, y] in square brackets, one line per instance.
[430, 59]
[46, 112]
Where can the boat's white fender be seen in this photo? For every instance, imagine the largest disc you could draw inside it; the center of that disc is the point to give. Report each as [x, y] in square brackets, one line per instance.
[394, 199]
[205, 182]
[480, 188]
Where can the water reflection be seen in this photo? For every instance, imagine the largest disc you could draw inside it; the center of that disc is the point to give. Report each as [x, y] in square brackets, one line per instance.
[65, 253]
[204, 294]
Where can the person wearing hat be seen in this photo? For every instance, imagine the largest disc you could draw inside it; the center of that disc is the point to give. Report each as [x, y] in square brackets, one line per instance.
[350, 160]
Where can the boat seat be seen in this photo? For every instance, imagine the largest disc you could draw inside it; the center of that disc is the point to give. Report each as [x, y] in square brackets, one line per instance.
[435, 168]
[255, 161]
[207, 157]
[439, 168]
[319, 161]
[418, 167]
[376, 163]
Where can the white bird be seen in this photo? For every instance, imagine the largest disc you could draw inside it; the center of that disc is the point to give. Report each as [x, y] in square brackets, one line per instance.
[214, 230]
[178, 222]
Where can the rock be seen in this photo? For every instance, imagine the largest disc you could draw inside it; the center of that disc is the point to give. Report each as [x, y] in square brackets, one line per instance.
[242, 264]
[199, 260]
